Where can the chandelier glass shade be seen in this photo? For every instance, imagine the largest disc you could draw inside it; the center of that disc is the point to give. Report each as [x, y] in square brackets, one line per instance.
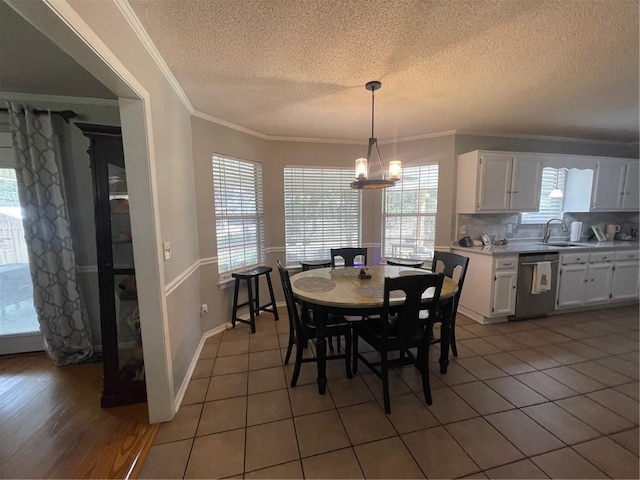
[388, 177]
[556, 192]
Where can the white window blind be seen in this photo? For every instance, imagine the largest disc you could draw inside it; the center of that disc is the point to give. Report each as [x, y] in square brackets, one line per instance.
[409, 214]
[549, 207]
[239, 213]
[321, 212]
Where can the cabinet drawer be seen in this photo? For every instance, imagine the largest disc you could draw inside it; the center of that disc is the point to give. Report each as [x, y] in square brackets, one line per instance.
[628, 255]
[574, 258]
[505, 263]
[602, 257]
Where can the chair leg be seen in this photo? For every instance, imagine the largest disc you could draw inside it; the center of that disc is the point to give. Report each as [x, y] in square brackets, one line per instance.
[289, 349]
[347, 354]
[423, 356]
[296, 368]
[454, 349]
[385, 382]
[354, 342]
[330, 342]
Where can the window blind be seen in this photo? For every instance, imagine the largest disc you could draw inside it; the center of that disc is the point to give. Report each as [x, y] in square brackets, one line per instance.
[321, 212]
[549, 207]
[239, 213]
[409, 214]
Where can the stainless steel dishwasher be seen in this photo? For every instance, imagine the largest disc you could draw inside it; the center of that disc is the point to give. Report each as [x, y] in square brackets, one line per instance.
[529, 305]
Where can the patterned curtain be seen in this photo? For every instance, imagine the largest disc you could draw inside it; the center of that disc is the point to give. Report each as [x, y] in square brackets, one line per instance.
[56, 296]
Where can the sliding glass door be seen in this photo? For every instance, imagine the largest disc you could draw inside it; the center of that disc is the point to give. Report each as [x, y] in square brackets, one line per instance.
[19, 329]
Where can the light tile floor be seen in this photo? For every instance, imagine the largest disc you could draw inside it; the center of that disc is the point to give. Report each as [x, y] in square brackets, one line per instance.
[546, 398]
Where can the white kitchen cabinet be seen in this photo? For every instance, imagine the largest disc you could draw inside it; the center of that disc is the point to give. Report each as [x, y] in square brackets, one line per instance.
[585, 279]
[504, 292]
[598, 288]
[626, 276]
[616, 184]
[490, 286]
[571, 285]
[498, 182]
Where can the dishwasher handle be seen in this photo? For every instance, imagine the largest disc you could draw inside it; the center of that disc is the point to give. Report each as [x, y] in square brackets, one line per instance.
[535, 263]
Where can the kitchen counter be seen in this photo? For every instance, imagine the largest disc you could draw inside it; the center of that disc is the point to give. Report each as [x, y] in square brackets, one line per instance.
[518, 247]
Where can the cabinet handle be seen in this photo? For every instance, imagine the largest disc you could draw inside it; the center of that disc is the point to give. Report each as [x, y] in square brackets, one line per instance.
[506, 264]
[515, 191]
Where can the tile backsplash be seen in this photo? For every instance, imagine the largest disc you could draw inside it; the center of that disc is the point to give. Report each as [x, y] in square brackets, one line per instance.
[507, 225]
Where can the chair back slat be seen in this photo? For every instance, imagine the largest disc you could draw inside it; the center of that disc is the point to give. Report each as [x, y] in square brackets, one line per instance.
[349, 255]
[295, 323]
[409, 325]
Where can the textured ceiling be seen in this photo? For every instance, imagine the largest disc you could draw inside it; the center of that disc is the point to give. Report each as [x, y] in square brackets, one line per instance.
[31, 63]
[297, 68]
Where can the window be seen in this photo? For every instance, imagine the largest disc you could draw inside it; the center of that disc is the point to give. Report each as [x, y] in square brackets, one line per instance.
[549, 207]
[321, 212]
[409, 214]
[239, 213]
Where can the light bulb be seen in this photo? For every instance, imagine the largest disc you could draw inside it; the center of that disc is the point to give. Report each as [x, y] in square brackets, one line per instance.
[395, 169]
[361, 168]
[556, 193]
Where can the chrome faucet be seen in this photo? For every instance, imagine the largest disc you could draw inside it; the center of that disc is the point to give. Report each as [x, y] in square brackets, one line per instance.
[547, 229]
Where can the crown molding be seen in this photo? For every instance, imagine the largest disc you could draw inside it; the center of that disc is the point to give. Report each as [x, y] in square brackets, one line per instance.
[544, 137]
[141, 33]
[233, 126]
[31, 97]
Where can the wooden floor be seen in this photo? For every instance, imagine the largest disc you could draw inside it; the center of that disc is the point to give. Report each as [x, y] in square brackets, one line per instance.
[53, 427]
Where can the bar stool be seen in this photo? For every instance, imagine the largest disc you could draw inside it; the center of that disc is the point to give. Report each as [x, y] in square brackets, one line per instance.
[252, 276]
[311, 264]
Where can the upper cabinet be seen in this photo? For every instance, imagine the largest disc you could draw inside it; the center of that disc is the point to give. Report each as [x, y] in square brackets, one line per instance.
[490, 181]
[498, 182]
[616, 185]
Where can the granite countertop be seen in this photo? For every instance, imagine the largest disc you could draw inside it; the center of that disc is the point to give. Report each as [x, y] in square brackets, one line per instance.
[516, 247]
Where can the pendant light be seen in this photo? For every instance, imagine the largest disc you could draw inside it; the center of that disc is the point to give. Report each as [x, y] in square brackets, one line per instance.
[556, 192]
[389, 177]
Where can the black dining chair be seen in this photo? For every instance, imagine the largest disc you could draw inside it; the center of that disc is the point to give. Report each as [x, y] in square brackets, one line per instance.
[349, 255]
[400, 328]
[453, 266]
[302, 329]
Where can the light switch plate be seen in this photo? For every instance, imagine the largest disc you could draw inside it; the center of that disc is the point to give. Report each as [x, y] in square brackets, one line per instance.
[166, 247]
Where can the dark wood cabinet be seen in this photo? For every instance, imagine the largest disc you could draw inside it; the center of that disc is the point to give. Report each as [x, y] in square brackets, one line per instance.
[123, 365]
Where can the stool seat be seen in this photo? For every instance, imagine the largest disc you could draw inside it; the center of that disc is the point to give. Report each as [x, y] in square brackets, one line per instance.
[252, 273]
[405, 262]
[310, 264]
[252, 278]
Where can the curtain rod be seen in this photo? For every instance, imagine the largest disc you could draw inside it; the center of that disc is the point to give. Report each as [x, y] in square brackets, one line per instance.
[66, 114]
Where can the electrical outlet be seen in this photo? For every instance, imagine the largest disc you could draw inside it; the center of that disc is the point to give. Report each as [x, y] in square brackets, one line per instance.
[509, 227]
[463, 229]
[166, 247]
[204, 308]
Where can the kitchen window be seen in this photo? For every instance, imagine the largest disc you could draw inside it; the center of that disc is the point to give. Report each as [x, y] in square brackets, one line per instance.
[409, 214]
[239, 213]
[321, 211]
[549, 207]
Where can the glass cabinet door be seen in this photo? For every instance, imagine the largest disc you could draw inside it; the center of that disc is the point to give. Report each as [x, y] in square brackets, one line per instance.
[124, 378]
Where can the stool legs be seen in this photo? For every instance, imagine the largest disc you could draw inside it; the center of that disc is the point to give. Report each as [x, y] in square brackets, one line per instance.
[253, 299]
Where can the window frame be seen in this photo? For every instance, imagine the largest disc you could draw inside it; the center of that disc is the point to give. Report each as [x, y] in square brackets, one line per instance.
[238, 186]
[297, 215]
[385, 252]
[547, 184]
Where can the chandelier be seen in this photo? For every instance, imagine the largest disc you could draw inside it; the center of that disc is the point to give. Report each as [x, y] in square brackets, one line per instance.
[390, 176]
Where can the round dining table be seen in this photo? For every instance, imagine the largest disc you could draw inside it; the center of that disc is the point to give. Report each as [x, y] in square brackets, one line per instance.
[344, 291]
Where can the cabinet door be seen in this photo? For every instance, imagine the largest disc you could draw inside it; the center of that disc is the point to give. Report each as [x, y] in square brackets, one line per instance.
[495, 182]
[504, 292]
[572, 284]
[625, 280]
[600, 278]
[525, 184]
[631, 197]
[608, 187]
